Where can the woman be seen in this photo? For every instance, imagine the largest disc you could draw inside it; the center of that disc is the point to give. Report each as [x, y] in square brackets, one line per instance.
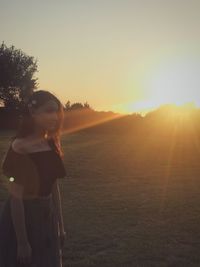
[31, 222]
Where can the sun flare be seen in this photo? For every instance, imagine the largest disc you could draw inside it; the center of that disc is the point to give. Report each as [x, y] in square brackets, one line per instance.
[169, 80]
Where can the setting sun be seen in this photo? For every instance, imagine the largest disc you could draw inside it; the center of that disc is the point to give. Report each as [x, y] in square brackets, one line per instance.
[174, 79]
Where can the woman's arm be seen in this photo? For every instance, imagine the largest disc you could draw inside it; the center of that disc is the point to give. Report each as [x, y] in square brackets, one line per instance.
[57, 201]
[15, 188]
[17, 212]
[24, 250]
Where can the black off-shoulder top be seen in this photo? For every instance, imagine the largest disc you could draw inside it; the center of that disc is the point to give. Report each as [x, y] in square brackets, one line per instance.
[36, 171]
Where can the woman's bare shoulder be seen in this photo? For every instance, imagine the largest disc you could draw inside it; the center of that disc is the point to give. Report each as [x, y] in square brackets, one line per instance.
[19, 145]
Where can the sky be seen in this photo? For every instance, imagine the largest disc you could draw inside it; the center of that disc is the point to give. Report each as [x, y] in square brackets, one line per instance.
[118, 55]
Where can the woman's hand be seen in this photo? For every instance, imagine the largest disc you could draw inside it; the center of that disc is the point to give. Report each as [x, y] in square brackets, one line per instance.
[24, 253]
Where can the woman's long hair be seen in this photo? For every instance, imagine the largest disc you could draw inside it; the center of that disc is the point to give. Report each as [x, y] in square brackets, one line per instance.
[26, 123]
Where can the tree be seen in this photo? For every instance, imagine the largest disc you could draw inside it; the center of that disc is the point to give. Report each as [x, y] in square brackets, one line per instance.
[76, 106]
[16, 76]
[86, 105]
[67, 105]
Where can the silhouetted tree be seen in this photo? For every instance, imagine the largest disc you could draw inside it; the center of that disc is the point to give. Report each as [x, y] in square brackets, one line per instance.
[67, 105]
[76, 105]
[16, 76]
[86, 105]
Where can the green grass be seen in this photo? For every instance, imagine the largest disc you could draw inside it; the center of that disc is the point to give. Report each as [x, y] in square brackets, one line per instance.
[129, 200]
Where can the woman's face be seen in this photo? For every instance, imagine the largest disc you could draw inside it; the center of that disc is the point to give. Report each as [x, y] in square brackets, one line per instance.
[46, 116]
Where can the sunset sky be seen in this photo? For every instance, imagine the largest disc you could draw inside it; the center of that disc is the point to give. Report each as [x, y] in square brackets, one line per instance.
[117, 55]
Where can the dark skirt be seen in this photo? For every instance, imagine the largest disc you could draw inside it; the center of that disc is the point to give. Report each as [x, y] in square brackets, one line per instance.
[42, 230]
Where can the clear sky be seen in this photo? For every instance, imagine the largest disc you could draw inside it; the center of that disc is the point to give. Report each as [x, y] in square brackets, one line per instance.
[118, 55]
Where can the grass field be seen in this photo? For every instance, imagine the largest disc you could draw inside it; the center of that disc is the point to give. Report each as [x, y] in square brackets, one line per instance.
[129, 200]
